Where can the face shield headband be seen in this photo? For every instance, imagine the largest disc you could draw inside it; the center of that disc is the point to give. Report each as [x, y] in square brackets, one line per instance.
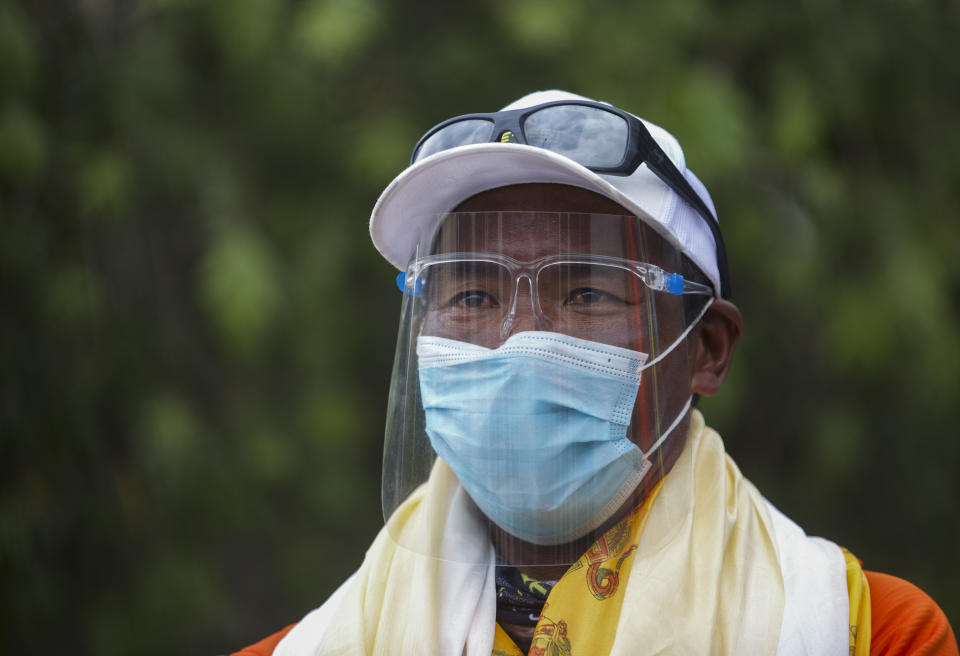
[598, 136]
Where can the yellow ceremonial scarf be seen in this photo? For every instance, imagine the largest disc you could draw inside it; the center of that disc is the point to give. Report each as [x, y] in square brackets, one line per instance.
[859, 592]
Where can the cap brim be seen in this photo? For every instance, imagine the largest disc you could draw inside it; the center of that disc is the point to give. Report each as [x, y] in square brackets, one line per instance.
[418, 198]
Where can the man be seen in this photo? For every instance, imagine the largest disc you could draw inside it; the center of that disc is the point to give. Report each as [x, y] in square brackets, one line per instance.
[549, 487]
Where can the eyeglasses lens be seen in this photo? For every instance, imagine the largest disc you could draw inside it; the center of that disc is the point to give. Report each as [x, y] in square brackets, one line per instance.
[461, 133]
[466, 299]
[587, 135]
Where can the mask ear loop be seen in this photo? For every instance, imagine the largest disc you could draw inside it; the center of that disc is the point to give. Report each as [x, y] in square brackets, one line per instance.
[679, 339]
[686, 406]
[663, 437]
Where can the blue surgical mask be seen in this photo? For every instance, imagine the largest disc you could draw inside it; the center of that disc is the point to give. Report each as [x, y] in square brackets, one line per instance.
[535, 429]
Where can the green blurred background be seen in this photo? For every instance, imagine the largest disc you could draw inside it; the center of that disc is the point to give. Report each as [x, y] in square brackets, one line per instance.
[196, 334]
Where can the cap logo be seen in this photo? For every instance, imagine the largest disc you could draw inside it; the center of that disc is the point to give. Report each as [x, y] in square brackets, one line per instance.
[508, 137]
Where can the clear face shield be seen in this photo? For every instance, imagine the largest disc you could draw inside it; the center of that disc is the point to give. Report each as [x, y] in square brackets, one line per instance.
[541, 367]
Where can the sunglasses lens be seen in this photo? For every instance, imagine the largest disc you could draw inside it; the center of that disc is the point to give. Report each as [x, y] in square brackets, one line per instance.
[461, 133]
[587, 135]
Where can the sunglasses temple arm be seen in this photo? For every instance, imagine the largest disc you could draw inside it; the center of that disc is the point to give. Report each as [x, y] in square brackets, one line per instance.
[665, 170]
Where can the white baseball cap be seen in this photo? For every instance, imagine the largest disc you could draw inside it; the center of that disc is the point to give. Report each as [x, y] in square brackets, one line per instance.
[416, 200]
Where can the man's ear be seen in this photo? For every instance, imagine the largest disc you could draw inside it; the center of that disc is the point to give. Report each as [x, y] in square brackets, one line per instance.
[715, 337]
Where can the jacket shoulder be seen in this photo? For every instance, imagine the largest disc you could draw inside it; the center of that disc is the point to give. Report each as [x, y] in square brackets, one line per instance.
[905, 620]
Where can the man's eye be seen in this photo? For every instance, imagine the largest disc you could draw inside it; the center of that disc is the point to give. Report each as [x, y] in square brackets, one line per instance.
[473, 299]
[588, 296]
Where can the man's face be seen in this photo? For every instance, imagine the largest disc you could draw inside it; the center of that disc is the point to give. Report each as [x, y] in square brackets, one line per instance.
[540, 225]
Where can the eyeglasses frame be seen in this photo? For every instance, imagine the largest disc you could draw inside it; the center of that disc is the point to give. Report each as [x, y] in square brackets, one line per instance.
[652, 276]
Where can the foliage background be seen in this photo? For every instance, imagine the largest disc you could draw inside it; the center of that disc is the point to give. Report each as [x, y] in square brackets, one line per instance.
[196, 335]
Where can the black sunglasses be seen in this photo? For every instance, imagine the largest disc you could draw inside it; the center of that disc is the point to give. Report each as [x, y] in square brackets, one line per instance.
[602, 138]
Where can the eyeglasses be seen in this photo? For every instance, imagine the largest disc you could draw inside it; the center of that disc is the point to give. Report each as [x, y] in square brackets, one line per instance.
[602, 138]
[473, 297]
